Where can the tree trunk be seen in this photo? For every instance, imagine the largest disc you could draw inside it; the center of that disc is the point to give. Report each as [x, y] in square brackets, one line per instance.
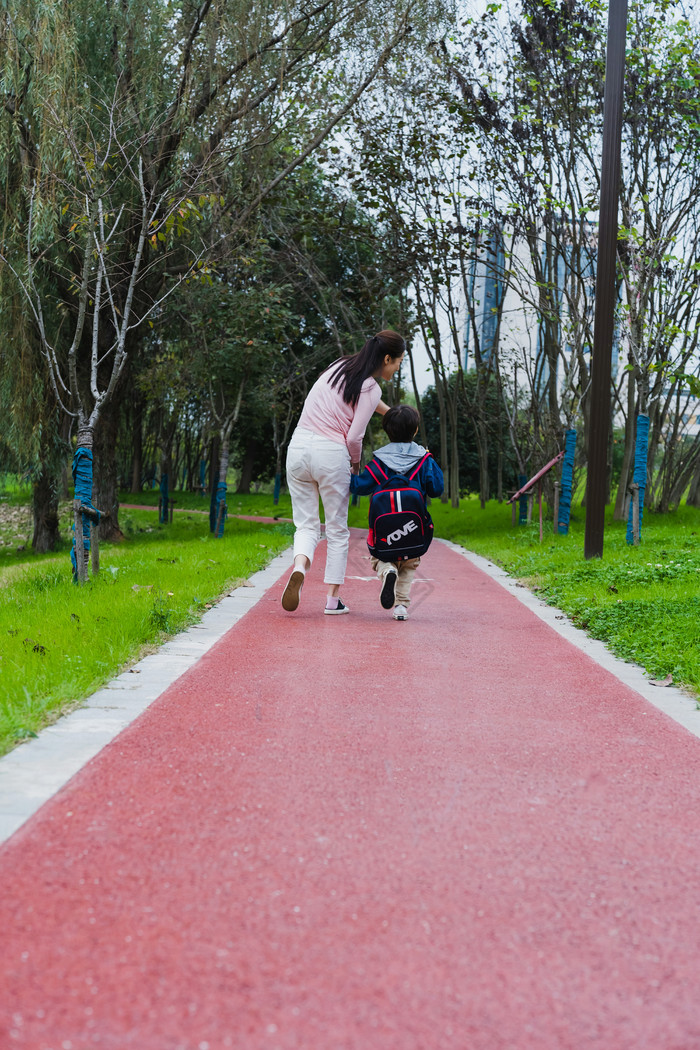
[220, 503]
[66, 427]
[628, 456]
[106, 488]
[213, 463]
[46, 485]
[693, 497]
[454, 470]
[83, 476]
[609, 464]
[444, 449]
[247, 467]
[483, 451]
[137, 448]
[166, 465]
[683, 479]
[45, 510]
[416, 394]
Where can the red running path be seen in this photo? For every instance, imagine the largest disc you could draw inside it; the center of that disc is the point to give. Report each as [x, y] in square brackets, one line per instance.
[347, 833]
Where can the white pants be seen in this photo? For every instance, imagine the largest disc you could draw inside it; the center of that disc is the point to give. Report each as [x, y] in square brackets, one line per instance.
[317, 466]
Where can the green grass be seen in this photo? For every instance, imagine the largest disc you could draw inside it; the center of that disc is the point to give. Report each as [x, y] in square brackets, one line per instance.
[15, 489]
[643, 602]
[260, 503]
[59, 642]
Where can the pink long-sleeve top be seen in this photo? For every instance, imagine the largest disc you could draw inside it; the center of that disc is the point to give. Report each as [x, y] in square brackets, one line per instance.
[327, 414]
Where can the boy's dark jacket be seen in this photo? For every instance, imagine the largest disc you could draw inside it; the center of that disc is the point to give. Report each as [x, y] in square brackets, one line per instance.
[401, 457]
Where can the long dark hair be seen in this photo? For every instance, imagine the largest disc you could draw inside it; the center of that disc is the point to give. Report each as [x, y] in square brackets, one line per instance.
[349, 373]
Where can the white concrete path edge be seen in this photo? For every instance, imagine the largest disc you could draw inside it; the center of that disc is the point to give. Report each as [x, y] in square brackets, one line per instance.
[34, 772]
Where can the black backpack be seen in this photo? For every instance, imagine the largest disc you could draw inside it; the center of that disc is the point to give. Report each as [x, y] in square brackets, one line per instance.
[399, 524]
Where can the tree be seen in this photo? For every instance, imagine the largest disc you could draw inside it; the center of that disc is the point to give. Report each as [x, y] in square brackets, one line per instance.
[659, 243]
[502, 464]
[136, 113]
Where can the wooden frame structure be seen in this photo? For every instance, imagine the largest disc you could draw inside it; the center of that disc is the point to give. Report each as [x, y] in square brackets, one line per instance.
[527, 490]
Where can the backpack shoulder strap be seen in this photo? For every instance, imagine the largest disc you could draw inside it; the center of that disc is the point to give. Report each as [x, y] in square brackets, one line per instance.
[377, 471]
[412, 476]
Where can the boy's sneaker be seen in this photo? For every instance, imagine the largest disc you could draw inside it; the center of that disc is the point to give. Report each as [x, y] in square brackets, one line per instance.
[292, 592]
[337, 612]
[400, 612]
[387, 595]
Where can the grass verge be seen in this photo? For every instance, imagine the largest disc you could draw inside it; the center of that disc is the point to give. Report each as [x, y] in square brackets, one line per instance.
[59, 643]
[259, 503]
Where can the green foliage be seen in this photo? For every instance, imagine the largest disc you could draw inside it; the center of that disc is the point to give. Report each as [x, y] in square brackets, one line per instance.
[306, 285]
[499, 445]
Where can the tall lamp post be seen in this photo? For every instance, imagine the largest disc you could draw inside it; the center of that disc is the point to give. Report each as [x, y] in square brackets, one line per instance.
[605, 288]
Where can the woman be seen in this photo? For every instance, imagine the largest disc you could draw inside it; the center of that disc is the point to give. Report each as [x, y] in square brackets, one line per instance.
[325, 448]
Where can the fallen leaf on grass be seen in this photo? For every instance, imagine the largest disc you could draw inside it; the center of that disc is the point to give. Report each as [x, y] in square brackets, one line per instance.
[668, 680]
[142, 586]
[134, 670]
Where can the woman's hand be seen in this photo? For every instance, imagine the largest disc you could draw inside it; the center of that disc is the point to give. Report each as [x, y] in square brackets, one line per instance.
[356, 468]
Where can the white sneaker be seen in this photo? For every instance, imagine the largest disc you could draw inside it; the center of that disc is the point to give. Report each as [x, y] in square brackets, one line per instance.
[400, 612]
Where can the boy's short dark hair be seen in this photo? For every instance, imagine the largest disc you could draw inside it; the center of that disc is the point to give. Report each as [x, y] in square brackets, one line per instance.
[401, 422]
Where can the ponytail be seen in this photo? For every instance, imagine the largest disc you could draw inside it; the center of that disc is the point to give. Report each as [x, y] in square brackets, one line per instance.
[350, 373]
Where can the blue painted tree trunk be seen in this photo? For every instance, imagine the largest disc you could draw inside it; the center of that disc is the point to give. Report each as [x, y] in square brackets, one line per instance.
[221, 510]
[522, 502]
[567, 479]
[213, 503]
[278, 486]
[164, 499]
[639, 476]
[82, 479]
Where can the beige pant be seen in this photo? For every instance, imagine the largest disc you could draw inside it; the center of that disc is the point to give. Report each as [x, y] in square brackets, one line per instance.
[406, 571]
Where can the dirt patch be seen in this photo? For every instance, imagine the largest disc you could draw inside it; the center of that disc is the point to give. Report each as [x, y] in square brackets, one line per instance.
[16, 525]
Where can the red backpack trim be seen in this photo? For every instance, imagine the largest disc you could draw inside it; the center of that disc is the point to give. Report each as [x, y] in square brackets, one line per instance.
[375, 463]
[412, 476]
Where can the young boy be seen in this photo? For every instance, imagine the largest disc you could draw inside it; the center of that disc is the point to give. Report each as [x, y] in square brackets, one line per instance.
[400, 456]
